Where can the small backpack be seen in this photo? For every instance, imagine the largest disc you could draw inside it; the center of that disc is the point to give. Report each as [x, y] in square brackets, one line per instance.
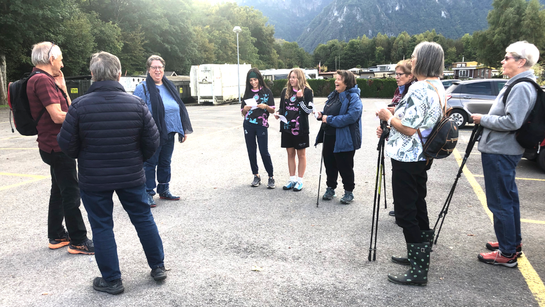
[443, 137]
[19, 106]
[532, 132]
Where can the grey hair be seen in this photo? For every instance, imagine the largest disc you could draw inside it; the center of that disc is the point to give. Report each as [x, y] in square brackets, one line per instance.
[105, 66]
[524, 50]
[430, 60]
[154, 58]
[41, 52]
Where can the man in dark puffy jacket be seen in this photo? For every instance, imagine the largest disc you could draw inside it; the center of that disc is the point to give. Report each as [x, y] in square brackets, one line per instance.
[112, 133]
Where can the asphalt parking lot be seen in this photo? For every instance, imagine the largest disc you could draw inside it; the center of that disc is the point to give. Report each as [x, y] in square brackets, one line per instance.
[228, 244]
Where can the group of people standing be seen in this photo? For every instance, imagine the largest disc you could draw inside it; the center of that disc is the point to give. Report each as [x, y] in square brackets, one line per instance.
[120, 141]
[340, 131]
[411, 121]
[124, 143]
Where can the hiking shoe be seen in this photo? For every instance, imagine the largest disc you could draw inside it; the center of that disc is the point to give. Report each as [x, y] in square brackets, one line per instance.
[329, 194]
[270, 183]
[151, 202]
[257, 181]
[159, 273]
[494, 246]
[60, 242]
[497, 258]
[392, 213]
[347, 198]
[290, 185]
[86, 248]
[112, 287]
[166, 195]
[298, 186]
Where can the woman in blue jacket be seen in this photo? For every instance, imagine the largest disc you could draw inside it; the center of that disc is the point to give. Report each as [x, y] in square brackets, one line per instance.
[341, 134]
[171, 117]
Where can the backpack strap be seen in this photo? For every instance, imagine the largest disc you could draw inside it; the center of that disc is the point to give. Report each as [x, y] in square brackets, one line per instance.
[443, 107]
[510, 86]
[44, 109]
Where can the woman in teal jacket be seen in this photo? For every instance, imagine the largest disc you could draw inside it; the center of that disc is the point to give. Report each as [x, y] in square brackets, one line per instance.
[341, 134]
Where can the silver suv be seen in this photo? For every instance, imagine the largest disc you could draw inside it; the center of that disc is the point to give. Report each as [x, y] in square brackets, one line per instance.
[472, 96]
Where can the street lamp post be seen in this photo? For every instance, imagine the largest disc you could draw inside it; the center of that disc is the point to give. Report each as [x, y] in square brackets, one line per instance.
[237, 30]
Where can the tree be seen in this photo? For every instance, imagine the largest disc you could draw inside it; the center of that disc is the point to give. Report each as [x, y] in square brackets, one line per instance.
[400, 46]
[77, 45]
[509, 21]
[28, 24]
[353, 53]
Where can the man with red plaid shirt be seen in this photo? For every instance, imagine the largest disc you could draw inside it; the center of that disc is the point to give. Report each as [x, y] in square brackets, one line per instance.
[47, 90]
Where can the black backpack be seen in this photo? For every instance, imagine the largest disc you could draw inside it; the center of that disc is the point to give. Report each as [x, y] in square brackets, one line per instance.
[19, 106]
[443, 137]
[532, 132]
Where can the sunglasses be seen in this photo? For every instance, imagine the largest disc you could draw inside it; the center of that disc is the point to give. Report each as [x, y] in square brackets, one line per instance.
[507, 58]
[51, 48]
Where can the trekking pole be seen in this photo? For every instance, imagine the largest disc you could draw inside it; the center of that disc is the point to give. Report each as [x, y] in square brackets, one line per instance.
[475, 134]
[320, 177]
[378, 191]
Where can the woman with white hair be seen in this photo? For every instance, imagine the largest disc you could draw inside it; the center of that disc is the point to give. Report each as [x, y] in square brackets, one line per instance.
[413, 119]
[500, 152]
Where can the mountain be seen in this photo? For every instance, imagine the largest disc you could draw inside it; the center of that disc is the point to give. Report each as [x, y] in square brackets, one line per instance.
[289, 17]
[348, 19]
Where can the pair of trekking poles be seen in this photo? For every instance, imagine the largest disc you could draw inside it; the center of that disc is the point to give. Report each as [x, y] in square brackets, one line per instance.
[380, 187]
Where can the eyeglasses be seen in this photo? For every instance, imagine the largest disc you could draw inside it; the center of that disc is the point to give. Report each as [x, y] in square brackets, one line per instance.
[399, 75]
[157, 67]
[51, 48]
[507, 58]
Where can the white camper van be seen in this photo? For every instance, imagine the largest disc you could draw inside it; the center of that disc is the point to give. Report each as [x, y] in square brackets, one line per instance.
[217, 83]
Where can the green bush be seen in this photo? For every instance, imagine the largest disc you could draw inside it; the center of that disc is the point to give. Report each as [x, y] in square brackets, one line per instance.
[370, 88]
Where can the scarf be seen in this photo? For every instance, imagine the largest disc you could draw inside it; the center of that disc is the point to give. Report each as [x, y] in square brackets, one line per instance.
[158, 109]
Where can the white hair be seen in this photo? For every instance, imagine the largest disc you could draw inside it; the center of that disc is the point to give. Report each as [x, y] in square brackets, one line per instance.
[524, 50]
[41, 52]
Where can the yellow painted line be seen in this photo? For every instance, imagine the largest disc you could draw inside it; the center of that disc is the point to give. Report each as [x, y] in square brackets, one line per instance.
[532, 221]
[23, 175]
[517, 178]
[34, 179]
[535, 284]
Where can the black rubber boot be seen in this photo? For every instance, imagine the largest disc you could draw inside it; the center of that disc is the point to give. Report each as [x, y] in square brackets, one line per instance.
[419, 259]
[427, 236]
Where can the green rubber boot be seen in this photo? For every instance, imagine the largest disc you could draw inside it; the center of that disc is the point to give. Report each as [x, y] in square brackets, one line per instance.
[427, 236]
[419, 259]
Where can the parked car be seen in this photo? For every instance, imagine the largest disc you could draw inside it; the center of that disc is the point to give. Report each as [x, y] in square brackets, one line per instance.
[472, 96]
[536, 155]
[448, 82]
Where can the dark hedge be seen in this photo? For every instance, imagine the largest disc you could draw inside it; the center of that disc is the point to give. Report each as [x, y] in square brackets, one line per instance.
[370, 88]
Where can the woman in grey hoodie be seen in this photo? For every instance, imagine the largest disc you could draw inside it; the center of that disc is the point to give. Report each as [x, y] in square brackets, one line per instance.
[500, 153]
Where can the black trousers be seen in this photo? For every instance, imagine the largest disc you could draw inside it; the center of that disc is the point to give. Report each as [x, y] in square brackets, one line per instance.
[251, 133]
[64, 200]
[409, 188]
[338, 163]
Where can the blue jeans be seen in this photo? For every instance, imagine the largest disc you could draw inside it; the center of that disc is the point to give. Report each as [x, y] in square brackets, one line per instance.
[99, 207]
[160, 160]
[502, 198]
[64, 200]
[251, 133]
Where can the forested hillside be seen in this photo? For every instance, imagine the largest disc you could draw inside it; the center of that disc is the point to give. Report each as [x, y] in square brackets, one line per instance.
[289, 17]
[347, 19]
